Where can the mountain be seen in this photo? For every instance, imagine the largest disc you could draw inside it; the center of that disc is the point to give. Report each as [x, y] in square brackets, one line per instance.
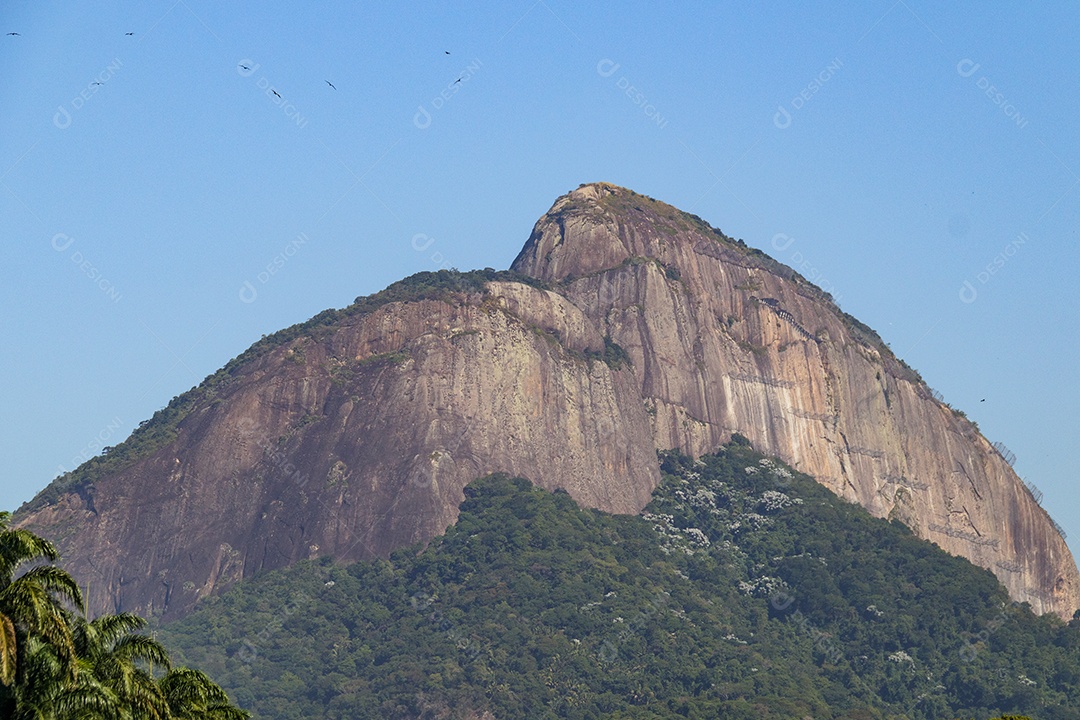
[745, 591]
[624, 327]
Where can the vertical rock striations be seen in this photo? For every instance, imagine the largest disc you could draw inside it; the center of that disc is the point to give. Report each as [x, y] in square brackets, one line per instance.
[723, 339]
[628, 326]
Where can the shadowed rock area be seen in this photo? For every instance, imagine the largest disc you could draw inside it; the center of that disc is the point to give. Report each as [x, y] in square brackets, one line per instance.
[644, 329]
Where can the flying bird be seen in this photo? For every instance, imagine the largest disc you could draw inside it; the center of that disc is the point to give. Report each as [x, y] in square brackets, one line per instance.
[457, 81]
[331, 84]
[275, 92]
[983, 400]
[97, 83]
[13, 33]
[245, 67]
[446, 51]
[129, 33]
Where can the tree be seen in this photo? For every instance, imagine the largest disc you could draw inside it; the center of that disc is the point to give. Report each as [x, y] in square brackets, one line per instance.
[57, 665]
[111, 648]
[46, 689]
[192, 695]
[32, 603]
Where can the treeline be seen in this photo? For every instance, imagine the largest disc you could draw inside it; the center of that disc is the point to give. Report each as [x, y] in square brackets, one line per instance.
[56, 664]
[745, 591]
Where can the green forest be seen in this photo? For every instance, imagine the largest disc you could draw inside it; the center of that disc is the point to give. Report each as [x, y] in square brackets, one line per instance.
[745, 590]
[55, 664]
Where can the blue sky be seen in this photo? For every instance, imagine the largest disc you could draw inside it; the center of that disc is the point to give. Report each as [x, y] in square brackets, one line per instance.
[920, 162]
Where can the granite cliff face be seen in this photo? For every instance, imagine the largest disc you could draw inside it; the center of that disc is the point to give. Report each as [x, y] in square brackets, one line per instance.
[358, 440]
[723, 339]
[356, 436]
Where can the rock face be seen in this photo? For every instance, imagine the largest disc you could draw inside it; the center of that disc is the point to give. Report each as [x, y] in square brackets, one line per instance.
[723, 339]
[358, 437]
[358, 442]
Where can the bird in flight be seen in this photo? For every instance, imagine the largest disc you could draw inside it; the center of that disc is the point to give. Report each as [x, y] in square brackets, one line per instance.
[245, 67]
[275, 92]
[129, 33]
[331, 84]
[457, 81]
[446, 51]
[97, 83]
[13, 33]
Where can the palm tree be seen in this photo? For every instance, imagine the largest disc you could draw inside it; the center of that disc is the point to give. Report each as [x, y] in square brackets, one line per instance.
[46, 690]
[32, 603]
[192, 695]
[57, 665]
[112, 649]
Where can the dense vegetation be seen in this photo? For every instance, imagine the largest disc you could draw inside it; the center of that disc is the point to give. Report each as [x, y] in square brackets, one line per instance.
[744, 591]
[55, 664]
[160, 429]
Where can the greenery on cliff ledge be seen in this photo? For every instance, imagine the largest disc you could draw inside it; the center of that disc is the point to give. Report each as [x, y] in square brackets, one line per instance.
[744, 591]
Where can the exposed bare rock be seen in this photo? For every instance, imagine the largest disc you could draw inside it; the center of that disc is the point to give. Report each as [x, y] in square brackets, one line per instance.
[723, 339]
[358, 442]
[357, 435]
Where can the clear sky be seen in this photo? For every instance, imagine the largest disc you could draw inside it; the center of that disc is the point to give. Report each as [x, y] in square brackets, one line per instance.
[921, 162]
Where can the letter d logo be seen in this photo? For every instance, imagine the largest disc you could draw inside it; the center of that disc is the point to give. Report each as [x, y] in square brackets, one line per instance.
[781, 601]
[61, 242]
[422, 118]
[782, 241]
[607, 68]
[62, 118]
[248, 293]
[968, 293]
[782, 118]
[967, 67]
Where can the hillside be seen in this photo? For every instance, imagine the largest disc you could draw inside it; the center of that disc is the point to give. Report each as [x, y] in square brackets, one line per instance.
[745, 590]
[624, 327]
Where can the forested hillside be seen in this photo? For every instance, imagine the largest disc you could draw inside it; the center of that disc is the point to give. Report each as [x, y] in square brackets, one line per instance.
[745, 590]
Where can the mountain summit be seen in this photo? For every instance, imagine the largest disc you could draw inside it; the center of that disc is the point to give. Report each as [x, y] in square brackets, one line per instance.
[624, 327]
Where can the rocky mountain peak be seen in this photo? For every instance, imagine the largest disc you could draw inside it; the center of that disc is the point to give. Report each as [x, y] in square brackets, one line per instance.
[598, 226]
[724, 339]
[625, 326]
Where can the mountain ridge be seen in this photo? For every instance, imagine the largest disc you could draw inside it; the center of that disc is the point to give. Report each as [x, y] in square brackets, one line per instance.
[624, 326]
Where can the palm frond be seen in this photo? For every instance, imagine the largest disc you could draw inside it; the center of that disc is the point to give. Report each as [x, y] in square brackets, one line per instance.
[111, 628]
[8, 650]
[18, 547]
[57, 581]
[142, 647]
